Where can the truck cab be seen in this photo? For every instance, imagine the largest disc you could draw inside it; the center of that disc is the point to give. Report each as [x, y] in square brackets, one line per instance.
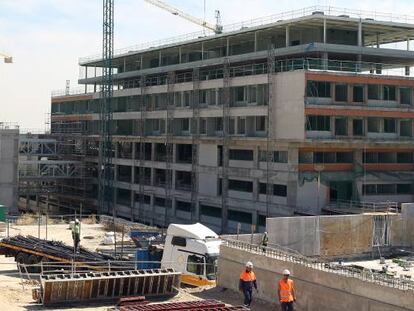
[192, 250]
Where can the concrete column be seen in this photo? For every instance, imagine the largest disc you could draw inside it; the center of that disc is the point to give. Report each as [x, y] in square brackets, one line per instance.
[152, 177]
[254, 219]
[173, 207]
[365, 94]
[152, 201]
[197, 211]
[378, 42]
[159, 59]
[86, 77]
[360, 33]
[333, 92]
[227, 46]
[324, 30]
[325, 61]
[132, 204]
[349, 94]
[349, 127]
[255, 189]
[255, 41]
[287, 36]
[359, 62]
[256, 160]
[179, 54]
[407, 68]
[174, 155]
[124, 68]
[202, 50]
[152, 151]
[292, 182]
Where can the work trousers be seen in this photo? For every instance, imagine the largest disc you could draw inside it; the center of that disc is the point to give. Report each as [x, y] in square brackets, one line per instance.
[287, 306]
[247, 292]
[76, 244]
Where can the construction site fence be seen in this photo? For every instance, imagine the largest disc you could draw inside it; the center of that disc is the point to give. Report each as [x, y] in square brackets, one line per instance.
[256, 22]
[284, 65]
[367, 276]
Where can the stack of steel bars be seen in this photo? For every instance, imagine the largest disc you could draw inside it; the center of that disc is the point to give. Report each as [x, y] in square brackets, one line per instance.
[57, 249]
[201, 305]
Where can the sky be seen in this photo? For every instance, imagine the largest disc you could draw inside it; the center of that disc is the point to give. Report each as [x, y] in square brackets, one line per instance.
[47, 37]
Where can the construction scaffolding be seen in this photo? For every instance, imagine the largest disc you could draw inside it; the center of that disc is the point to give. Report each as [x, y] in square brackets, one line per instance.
[169, 146]
[141, 177]
[195, 146]
[270, 129]
[226, 145]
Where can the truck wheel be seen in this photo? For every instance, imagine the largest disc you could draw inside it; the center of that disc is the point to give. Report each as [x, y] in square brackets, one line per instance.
[21, 259]
[33, 260]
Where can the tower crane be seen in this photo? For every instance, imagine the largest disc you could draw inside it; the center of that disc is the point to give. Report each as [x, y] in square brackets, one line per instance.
[7, 58]
[217, 28]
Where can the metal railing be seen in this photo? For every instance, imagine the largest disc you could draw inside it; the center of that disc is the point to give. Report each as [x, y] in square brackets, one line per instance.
[365, 206]
[9, 126]
[311, 64]
[256, 22]
[367, 276]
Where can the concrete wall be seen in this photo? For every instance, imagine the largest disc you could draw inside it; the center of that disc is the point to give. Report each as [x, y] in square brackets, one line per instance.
[9, 142]
[296, 233]
[341, 235]
[289, 105]
[316, 290]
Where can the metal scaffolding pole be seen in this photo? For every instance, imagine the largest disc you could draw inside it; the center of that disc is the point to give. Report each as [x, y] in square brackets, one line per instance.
[270, 129]
[141, 177]
[195, 128]
[169, 144]
[226, 143]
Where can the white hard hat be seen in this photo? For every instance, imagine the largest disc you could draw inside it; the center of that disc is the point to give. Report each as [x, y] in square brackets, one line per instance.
[76, 220]
[286, 272]
[249, 264]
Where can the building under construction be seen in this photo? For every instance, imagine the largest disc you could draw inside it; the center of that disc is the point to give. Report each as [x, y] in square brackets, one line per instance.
[287, 114]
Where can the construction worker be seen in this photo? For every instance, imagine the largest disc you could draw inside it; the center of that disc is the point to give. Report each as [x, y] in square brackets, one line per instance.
[76, 235]
[286, 292]
[247, 282]
[265, 241]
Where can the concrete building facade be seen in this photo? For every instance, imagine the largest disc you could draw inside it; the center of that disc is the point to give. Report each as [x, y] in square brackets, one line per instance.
[9, 142]
[268, 120]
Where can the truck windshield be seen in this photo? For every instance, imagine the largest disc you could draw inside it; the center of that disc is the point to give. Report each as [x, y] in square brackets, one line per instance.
[211, 267]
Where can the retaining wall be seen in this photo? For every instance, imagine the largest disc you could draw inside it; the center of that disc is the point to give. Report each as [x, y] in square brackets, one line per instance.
[316, 290]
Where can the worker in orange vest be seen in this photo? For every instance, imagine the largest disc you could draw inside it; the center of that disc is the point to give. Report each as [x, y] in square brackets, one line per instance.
[286, 292]
[247, 282]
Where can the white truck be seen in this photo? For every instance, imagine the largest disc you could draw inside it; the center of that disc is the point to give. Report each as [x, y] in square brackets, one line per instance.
[192, 250]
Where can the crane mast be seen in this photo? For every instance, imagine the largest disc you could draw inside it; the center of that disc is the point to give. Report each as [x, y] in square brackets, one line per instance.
[106, 154]
[218, 28]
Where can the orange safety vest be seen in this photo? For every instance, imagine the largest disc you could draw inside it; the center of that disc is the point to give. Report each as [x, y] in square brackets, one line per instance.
[286, 290]
[247, 276]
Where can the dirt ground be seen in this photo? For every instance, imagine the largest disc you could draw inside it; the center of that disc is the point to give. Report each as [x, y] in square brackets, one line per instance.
[17, 296]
